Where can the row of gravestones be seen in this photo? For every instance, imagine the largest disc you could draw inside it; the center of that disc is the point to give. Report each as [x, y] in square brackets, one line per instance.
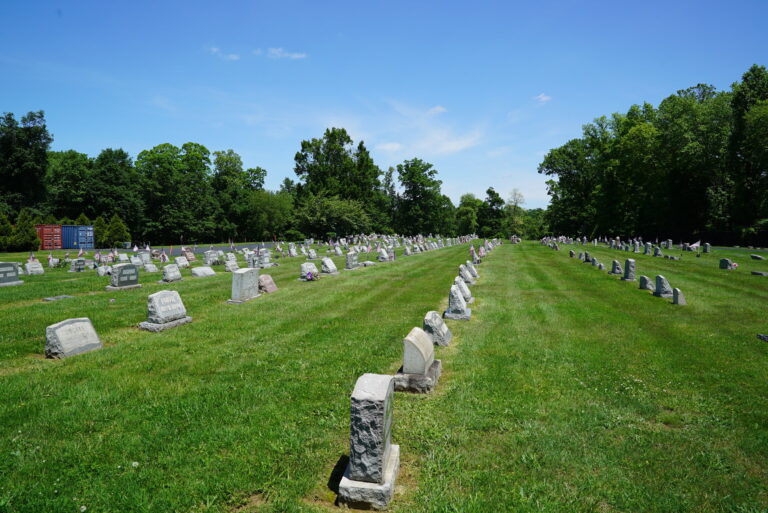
[374, 461]
[662, 288]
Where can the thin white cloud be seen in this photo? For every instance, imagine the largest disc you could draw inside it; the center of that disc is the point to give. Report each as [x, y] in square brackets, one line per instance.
[437, 109]
[542, 98]
[257, 51]
[280, 53]
[215, 50]
[390, 147]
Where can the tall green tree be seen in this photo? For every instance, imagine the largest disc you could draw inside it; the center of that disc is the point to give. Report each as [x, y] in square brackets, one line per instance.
[23, 160]
[115, 187]
[421, 199]
[24, 237]
[68, 180]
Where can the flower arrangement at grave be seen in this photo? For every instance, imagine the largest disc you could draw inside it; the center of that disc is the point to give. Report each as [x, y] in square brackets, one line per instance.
[312, 277]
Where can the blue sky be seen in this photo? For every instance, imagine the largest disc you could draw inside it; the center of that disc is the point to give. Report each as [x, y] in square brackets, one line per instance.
[480, 89]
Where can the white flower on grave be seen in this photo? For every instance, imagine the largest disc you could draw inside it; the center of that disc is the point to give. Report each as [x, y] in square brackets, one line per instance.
[135, 464]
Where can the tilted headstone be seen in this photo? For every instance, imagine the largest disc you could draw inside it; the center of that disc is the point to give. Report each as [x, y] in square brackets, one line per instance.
[678, 298]
[663, 288]
[420, 371]
[123, 258]
[587, 258]
[267, 284]
[457, 307]
[9, 274]
[464, 275]
[629, 270]
[103, 270]
[202, 272]
[435, 327]
[124, 276]
[231, 266]
[146, 257]
[245, 285]
[407, 251]
[383, 255]
[338, 251]
[328, 267]
[171, 273]
[211, 257]
[182, 262]
[190, 256]
[150, 268]
[70, 337]
[471, 268]
[312, 254]
[138, 262]
[646, 284]
[571, 253]
[725, 263]
[373, 460]
[34, 268]
[465, 292]
[307, 269]
[600, 267]
[165, 311]
[657, 251]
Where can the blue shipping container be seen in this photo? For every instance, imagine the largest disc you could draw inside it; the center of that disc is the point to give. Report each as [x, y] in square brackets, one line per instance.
[76, 237]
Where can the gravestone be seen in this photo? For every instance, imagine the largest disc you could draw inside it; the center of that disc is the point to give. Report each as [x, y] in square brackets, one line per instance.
[70, 337]
[465, 292]
[756, 257]
[615, 268]
[457, 307]
[678, 298]
[338, 251]
[53, 262]
[265, 259]
[435, 327]
[56, 298]
[471, 269]
[182, 262]
[146, 257]
[629, 270]
[759, 273]
[171, 273]
[123, 258]
[657, 252]
[407, 251]
[312, 254]
[420, 371]
[150, 268]
[383, 255]
[707, 247]
[267, 284]
[138, 262]
[464, 275]
[77, 265]
[202, 272]
[571, 253]
[231, 266]
[292, 252]
[308, 271]
[9, 274]
[103, 270]
[725, 263]
[191, 256]
[34, 268]
[646, 284]
[369, 479]
[165, 311]
[581, 256]
[245, 285]
[587, 258]
[211, 257]
[663, 288]
[328, 267]
[600, 267]
[352, 261]
[124, 277]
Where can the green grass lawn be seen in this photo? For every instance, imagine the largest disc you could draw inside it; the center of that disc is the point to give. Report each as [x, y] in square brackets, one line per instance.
[569, 390]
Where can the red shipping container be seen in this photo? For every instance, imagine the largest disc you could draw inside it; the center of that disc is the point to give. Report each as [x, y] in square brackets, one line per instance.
[50, 236]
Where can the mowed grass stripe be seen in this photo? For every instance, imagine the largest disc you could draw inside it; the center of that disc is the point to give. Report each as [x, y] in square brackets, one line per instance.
[248, 398]
[571, 391]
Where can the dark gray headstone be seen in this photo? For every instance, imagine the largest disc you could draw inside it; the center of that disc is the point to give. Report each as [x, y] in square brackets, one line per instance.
[9, 274]
[663, 289]
[124, 276]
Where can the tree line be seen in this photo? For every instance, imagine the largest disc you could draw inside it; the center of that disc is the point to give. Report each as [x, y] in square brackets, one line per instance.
[694, 167]
[189, 194]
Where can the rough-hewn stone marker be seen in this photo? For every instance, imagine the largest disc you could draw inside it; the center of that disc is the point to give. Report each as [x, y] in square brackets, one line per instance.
[663, 288]
[328, 267]
[465, 292]
[615, 268]
[374, 462]
[165, 311]
[435, 327]
[307, 269]
[70, 337]
[725, 263]
[646, 284]
[420, 371]
[457, 307]
[182, 262]
[629, 270]
[352, 261]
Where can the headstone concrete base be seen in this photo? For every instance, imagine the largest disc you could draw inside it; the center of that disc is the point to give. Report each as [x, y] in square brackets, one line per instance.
[127, 287]
[240, 301]
[363, 495]
[419, 383]
[11, 283]
[154, 328]
[463, 316]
